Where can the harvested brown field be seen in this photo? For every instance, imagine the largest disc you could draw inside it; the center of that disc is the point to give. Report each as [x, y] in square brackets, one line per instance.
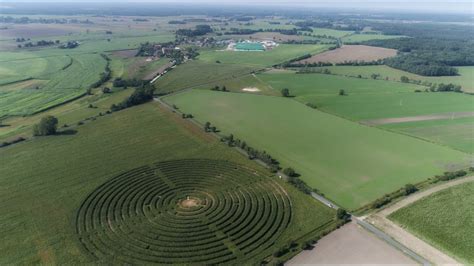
[351, 244]
[348, 53]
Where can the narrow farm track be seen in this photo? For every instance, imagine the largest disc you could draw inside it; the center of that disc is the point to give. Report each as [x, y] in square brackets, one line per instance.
[419, 246]
[384, 121]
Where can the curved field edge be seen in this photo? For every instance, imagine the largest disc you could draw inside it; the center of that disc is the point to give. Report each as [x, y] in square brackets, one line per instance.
[350, 163]
[443, 219]
[58, 172]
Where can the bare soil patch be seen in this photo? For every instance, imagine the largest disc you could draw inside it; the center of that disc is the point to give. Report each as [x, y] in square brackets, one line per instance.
[251, 89]
[190, 203]
[383, 121]
[351, 53]
[351, 244]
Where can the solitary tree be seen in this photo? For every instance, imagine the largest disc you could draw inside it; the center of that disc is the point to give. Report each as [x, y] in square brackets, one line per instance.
[342, 92]
[285, 92]
[46, 126]
[404, 79]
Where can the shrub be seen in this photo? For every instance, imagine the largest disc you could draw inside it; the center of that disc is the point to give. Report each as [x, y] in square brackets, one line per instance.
[409, 188]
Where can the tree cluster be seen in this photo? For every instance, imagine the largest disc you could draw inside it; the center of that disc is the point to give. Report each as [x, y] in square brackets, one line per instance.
[119, 82]
[199, 30]
[139, 96]
[47, 126]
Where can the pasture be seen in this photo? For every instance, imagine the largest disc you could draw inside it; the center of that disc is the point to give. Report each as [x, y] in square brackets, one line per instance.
[443, 219]
[350, 163]
[280, 54]
[55, 175]
[351, 53]
[466, 74]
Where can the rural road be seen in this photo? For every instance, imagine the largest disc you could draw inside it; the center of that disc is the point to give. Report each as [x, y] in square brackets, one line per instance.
[406, 238]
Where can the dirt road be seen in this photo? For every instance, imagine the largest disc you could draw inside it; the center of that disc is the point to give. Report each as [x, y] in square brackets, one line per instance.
[383, 121]
[404, 237]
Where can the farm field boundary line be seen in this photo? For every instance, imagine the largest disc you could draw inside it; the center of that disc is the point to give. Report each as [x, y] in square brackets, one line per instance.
[380, 219]
[380, 234]
[395, 120]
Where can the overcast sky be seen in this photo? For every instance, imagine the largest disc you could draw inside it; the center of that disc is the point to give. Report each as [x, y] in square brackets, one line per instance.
[462, 6]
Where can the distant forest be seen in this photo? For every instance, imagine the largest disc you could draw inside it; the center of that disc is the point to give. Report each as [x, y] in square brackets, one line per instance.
[430, 50]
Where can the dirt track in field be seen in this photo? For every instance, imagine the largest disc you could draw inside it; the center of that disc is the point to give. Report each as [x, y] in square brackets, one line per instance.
[351, 244]
[383, 121]
[351, 53]
[422, 248]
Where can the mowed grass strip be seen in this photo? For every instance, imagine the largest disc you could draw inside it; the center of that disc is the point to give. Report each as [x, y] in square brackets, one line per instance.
[45, 180]
[444, 219]
[351, 163]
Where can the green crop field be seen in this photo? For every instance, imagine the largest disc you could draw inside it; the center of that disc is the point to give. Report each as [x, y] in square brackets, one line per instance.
[69, 113]
[267, 58]
[200, 74]
[350, 163]
[443, 219]
[328, 85]
[357, 38]
[65, 82]
[367, 98]
[66, 175]
[465, 77]
[456, 133]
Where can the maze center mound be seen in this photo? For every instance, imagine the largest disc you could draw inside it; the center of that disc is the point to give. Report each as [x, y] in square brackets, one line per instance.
[184, 211]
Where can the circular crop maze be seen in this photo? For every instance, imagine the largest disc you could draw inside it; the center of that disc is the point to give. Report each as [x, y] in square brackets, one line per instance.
[184, 211]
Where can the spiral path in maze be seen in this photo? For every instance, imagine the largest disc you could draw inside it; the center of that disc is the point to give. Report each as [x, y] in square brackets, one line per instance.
[184, 211]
